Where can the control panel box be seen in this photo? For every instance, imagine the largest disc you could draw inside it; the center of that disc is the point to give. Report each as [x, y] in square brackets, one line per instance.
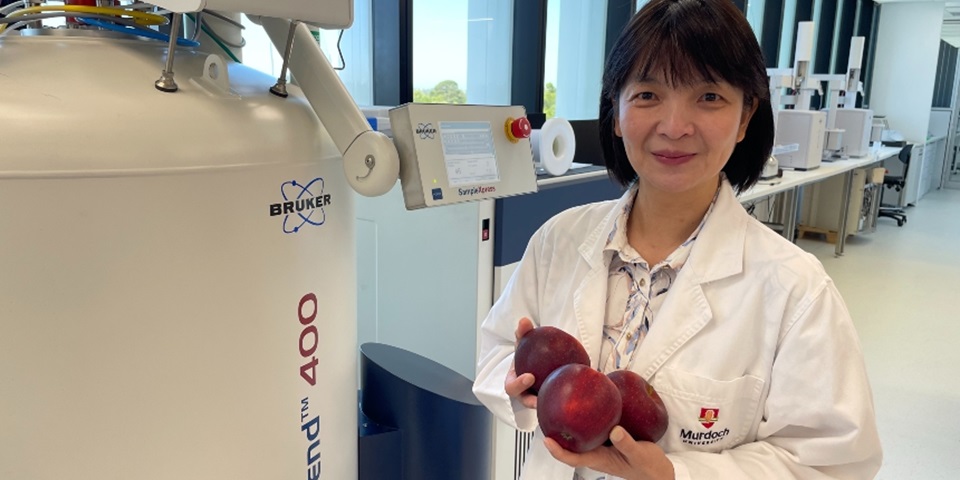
[460, 153]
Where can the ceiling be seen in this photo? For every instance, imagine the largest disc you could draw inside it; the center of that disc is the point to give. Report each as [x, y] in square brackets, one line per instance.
[951, 24]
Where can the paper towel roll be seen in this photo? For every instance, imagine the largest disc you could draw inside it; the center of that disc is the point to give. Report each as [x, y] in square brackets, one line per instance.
[554, 146]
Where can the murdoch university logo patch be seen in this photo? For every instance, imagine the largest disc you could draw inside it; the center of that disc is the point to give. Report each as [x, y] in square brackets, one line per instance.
[709, 416]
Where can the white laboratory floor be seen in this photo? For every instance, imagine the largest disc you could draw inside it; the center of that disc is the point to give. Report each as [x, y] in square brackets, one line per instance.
[902, 286]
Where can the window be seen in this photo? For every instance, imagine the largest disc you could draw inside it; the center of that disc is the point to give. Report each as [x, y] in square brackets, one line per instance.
[755, 16]
[788, 39]
[769, 34]
[489, 51]
[258, 51]
[573, 64]
[825, 15]
[946, 70]
[355, 45]
[462, 51]
[843, 34]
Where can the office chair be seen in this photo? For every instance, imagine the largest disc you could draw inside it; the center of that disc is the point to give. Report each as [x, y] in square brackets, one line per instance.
[897, 182]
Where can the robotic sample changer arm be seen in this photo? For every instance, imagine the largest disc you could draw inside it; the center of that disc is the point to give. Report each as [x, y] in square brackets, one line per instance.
[370, 159]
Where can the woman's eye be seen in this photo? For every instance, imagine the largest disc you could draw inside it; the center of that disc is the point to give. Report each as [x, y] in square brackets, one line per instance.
[711, 97]
[645, 96]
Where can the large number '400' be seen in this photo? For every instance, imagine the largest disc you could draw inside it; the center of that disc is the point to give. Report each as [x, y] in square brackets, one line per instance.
[309, 338]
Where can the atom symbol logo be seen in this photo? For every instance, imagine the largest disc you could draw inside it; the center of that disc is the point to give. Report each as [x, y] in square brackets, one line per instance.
[305, 217]
[426, 131]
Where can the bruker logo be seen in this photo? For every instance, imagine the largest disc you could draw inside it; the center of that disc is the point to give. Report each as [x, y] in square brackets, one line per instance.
[426, 130]
[302, 205]
[469, 192]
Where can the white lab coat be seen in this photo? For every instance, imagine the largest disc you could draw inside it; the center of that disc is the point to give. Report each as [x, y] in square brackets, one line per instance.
[752, 329]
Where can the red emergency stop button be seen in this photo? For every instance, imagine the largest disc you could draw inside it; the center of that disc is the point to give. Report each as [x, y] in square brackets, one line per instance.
[517, 128]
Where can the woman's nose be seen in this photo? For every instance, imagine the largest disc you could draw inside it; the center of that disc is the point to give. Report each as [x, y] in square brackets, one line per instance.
[676, 120]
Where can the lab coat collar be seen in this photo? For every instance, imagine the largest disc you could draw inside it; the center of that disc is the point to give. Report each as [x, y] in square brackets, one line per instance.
[592, 248]
[723, 234]
[717, 254]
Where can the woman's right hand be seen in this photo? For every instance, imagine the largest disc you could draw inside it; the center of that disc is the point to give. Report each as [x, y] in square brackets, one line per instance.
[515, 386]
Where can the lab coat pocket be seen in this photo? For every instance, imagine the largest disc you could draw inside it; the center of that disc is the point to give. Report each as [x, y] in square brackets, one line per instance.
[705, 414]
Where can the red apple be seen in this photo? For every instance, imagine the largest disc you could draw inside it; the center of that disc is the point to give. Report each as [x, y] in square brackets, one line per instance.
[544, 349]
[578, 407]
[644, 414]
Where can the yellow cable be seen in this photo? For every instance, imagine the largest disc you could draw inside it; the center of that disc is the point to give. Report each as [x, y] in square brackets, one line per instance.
[143, 18]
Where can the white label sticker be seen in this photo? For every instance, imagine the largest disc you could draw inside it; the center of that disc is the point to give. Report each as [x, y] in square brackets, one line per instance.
[469, 153]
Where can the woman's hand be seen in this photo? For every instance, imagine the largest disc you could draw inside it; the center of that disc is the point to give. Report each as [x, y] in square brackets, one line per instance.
[515, 386]
[627, 458]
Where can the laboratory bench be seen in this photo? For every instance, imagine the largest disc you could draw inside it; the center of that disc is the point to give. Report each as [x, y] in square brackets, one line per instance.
[842, 171]
[787, 187]
[925, 172]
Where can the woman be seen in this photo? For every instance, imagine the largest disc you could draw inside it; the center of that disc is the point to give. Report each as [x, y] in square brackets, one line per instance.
[743, 335]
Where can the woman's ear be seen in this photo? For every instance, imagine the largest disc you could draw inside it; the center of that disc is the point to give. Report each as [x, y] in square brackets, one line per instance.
[616, 118]
[748, 112]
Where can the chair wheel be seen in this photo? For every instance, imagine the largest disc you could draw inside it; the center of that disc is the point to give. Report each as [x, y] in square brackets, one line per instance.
[899, 223]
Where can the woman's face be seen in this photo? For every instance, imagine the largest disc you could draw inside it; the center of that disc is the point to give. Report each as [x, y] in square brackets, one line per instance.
[678, 138]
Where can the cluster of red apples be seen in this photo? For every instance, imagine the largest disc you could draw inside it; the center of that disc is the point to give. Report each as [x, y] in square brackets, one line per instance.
[578, 406]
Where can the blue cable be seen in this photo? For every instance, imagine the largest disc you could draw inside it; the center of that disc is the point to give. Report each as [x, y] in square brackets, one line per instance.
[145, 32]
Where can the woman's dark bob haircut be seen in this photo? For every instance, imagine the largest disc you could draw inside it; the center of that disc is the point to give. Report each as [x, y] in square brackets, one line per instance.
[688, 41]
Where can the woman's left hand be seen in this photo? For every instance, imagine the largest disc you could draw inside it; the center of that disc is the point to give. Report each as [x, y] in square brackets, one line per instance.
[627, 458]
